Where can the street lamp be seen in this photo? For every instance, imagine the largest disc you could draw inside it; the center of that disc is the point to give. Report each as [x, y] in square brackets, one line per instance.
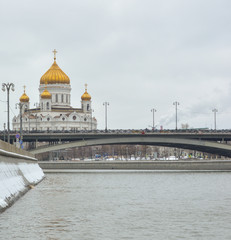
[4, 125]
[153, 110]
[28, 115]
[92, 110]
[215, 112]
[37, 106]
[20, 106]
[106, 104]
[7, 87]
[176, 104]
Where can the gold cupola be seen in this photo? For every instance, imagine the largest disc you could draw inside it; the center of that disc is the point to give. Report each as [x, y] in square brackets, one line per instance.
[54, 75]
[46, 94]
[86, 96]
[24, 97]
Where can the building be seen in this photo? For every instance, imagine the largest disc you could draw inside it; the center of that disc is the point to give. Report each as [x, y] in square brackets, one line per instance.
[54, 111]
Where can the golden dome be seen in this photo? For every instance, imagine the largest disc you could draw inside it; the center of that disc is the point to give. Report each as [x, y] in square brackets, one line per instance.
[54, 75]
[24, 97]
[86, 96]
[46, 94]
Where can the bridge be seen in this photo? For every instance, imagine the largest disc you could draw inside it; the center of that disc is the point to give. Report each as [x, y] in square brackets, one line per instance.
[214, 143]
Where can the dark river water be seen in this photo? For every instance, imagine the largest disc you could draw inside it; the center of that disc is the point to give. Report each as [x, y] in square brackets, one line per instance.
[123, 205]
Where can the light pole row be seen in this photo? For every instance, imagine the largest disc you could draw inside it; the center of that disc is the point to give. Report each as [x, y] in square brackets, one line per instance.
[10, 86]
[153, 110]
[177, 104]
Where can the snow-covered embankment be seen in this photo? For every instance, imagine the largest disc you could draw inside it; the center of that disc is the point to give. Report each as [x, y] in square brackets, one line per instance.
[19, 171]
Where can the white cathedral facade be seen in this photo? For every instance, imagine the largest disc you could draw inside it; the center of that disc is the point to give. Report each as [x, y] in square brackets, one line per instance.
[54, 112]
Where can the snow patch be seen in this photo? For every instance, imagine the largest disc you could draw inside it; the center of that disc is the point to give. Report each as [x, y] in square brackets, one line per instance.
[15, 179]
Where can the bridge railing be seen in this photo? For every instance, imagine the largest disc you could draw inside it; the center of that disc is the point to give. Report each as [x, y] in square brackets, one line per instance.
[196, 130]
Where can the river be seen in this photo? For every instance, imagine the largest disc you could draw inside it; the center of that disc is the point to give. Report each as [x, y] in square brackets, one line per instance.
[108, 205]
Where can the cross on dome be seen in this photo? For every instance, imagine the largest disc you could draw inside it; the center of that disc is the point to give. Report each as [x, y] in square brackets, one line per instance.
[54, 54]
[85, 87]
[24, 88]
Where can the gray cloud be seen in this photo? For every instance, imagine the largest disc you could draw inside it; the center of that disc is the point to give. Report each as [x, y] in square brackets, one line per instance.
[135, 54]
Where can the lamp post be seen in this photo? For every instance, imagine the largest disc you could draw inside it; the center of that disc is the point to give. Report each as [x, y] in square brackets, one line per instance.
[20, 106]
[28, 115]
[215, 123]
[153, 110]
[4, 125]
[176, 104]
[29, 118]
[106, 104]
[36, 117]
[37, 106]
[7, 87]
[92, 110]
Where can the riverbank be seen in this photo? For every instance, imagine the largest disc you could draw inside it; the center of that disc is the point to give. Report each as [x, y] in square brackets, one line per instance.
[197, 165]
[19, 172]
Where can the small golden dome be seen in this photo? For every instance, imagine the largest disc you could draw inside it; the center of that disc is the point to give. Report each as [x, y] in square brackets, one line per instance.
[45, 94]
[86, 96]
[24, 97]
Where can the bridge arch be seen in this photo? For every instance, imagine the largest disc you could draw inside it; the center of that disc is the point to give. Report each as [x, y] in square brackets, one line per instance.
[192, 144]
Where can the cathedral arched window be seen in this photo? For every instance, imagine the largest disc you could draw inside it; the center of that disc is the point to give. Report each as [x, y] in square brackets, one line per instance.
[88, 107]
[48, 105]
[62, 98]
[66, 98]
[74, 117]
[56, 98]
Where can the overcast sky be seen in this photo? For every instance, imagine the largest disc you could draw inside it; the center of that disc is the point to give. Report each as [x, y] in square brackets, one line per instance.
[136, 55]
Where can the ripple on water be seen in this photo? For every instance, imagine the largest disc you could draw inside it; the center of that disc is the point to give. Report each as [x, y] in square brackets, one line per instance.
[138, 205]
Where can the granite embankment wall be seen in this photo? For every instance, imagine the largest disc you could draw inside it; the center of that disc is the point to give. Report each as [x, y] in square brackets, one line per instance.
[19, 171]
[206, 165]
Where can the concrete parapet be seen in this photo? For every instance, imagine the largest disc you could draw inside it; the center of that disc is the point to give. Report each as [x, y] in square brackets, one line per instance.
[19, 170]
[9, 149]
[208, 165]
